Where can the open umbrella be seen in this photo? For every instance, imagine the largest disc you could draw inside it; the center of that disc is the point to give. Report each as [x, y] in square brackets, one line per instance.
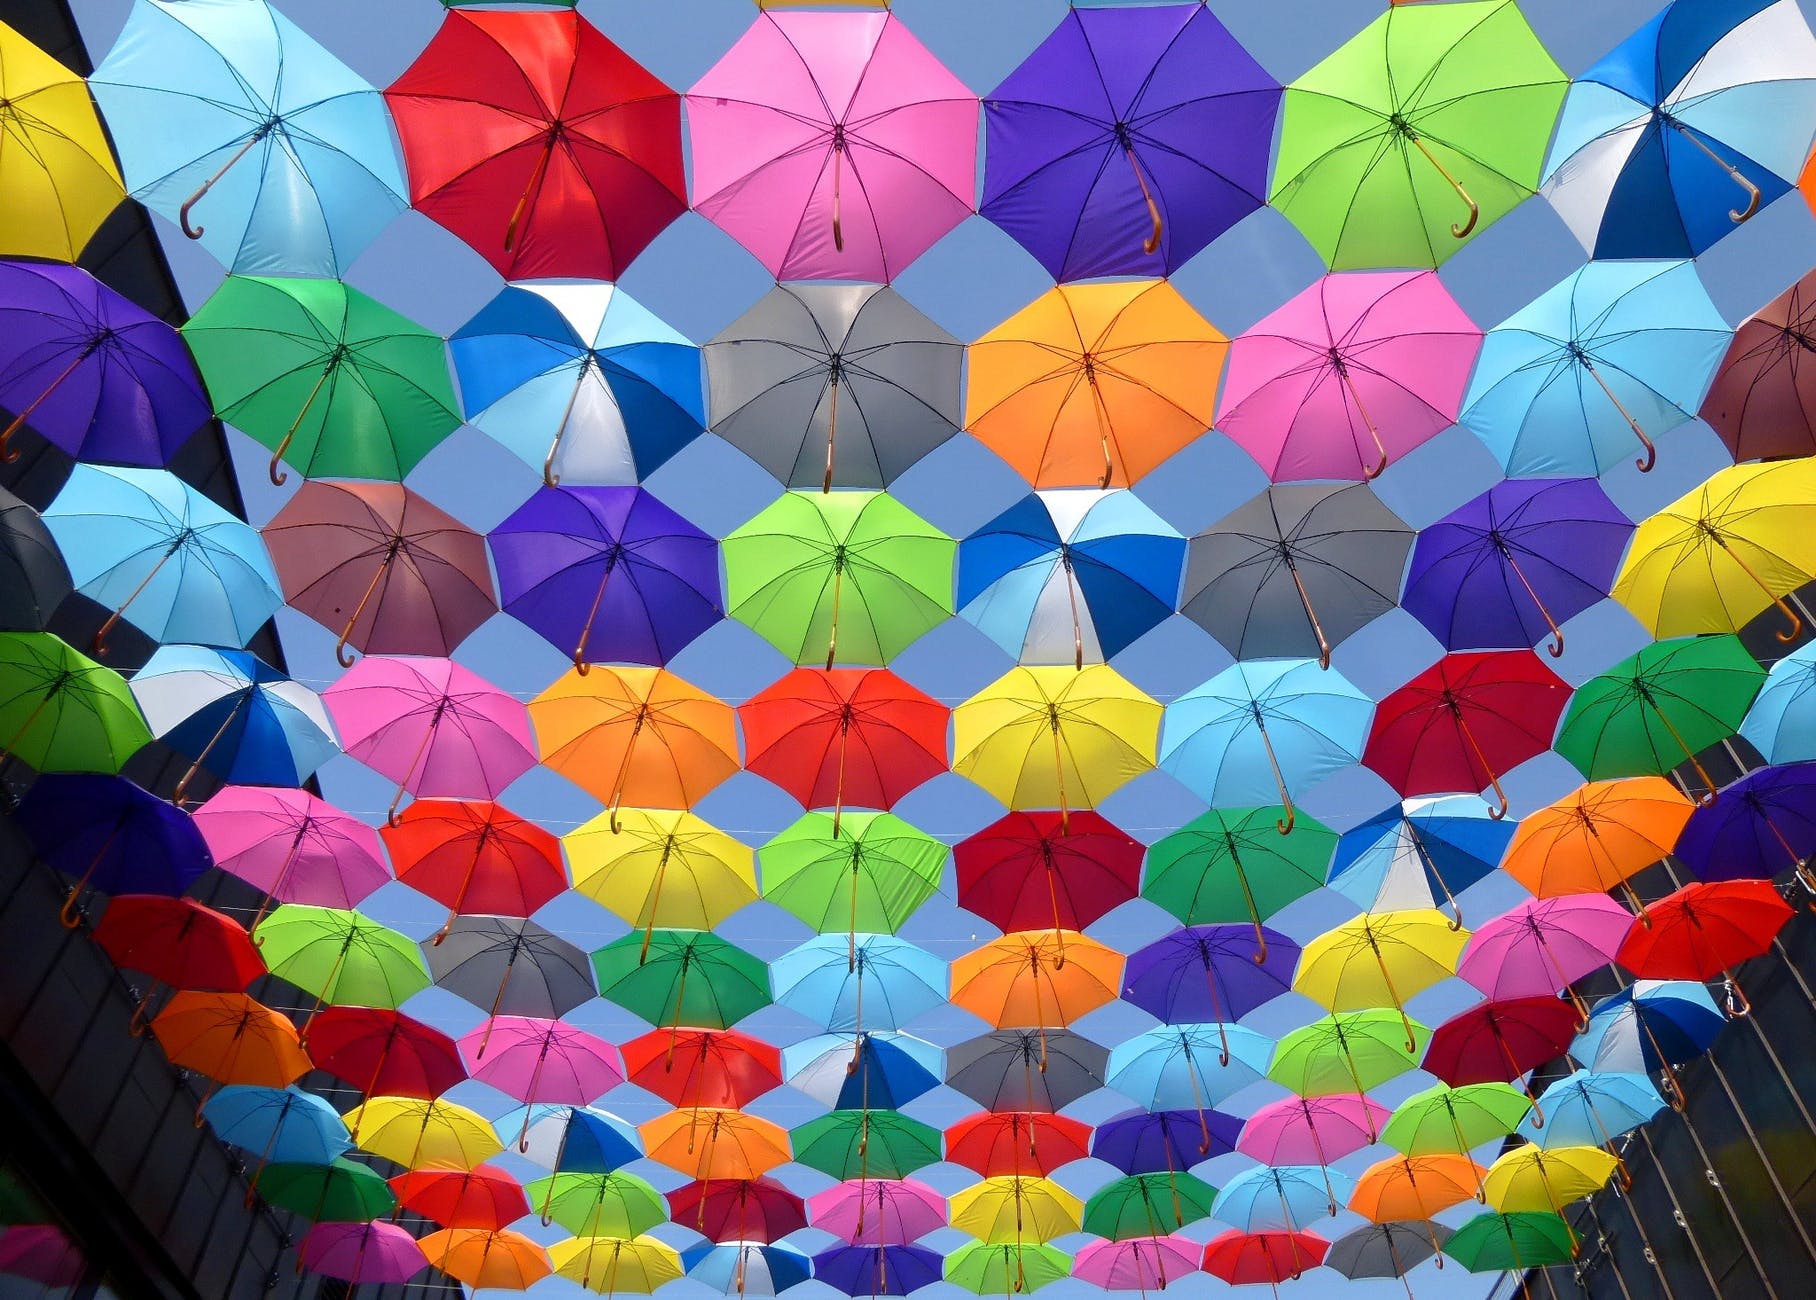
[1379, 958]
[341, 1192]
[1271, 1257]
[1207, 973]
[1164, 1141]
[660, 867]
[384, 1052]
[1531, 1179]
[534, 1058]
[1703, 930]
[544, 146]
[1596, 839]
[230, 1038]
[1542, 946]
[481, 1197]
[832, 146]
[1592, 1108]
[60, 711]
[1383, 1250]
[703, 1067]
[858, 1071]
[1002, 1071]
[1403, 1187]
[487, 1257]
[716, 1144]
[106, 833]
[878, 1270]
[1762, 824]
[1232, 864]
[380, 1252]
[286, 1125]
[878, 1211]
[179, 943]
[1502, 1243]
[423, 1133]
[340, 957]
[1016, 1143]
[1006, 1268]
[1190, 1068]
[292, 846]
[1016, 1210]
[1346, 1052]
[1781, 724]
[878, 982]
[684, 977]
[615, 1265]
[866, 1144]
[474, 856]
[1418, 853]
[1030, 869]
[510, 967]
[1761, 404]
[1037, 979]
[1279, 1198]
[1651, 1027]
[1312, 1131]
[870, 875]
[1443, 1120]
[63, 171]
[598, 1205]
[34, 579]
[574, 1139]
[1147, 1205]
[1501, 1041]
[738, 1209]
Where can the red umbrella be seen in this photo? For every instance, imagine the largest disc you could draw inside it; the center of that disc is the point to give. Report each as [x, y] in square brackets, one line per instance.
[1271, 1257]
[384, 1053]
[1465, 721]
[833, 736]
[544, 146]
[720, 1068]
[1497, 1042]
[1703, 930]
[382, 567]
[738, 1209]
[1047, 870]
[1016, 1143]
[475, 856]
[481, 1197]
[1763, 401]
[177, 941]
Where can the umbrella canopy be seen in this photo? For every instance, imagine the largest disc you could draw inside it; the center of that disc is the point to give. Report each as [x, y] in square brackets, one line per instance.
[340, 957]
[1543, 945]
[1758, 404]
[425, 1133]
[1380, 958]
[1443, 1120]
[1208, 973]
[533, 1058]
[716, 1144]
[1592, 1108]
[1759, 826]
[285, 1125]
[1415, 1187]
[1312, 1130]
[230, 1038]
[1233, 864]
[60, 711]
[866, 1144]
[738, 1209]
[34, 578]
[703, 1067]
[832, 146]
[1147, 1205]
[1703, 930]
[1027, 979]
[878, 1270]
[1418, 853]
[1596, 839]
[482, 1197]
[878, 1211]
[1188, 1067]
[871, 874]
[109, 834]
[781, 376]
[487, 1257]
[1385, 1249]
[1016, 1143]
[1029, 869]
[1781, 724]
[1016, 1210]
[292, 846]
[859, 1071]
[573, 1139]
[1530, 1179]
[598, 1205]
[1136, 1264]
[726, 982]
[1002, 1268]
[878, 982]
[1279, 1198]
[661, 868]
[1498, 1042]
[1001, 1071]
[64, 172]
[1496, 1243]
[384, 1052]
[510, 966]
[178, 942]
[1271, 1257]
[1653, 1025]
[1164, 1141]
[475, 856]
[613, 1265]
[1346, 1052]
[339, 1192]
[380, 1252]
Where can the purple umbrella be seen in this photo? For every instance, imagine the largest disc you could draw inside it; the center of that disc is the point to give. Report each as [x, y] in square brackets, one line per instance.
[1761, 824]
[108, 834]
[1163, 1141]
[94, 373]
[363, 1252]
[607, 574]
[1515, 563]
[1128, 141]
[1209, 973]
[877, 1270]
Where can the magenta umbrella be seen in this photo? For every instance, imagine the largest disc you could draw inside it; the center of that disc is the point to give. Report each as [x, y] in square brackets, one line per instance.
[1313, 1131]
[1138, 1264]
[832, 145]
[380, 1252]
[878, 1211]
[538, 1060]
[432, 726]
[1356, 371]
[292, 846]
[1545, 944]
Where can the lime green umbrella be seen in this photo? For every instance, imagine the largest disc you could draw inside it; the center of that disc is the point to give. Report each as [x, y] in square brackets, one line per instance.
[1455, 1121]
[851, 576]
[336, 384]
[340, 956]
[1006, 1269]
[1427, 126]
[863, 871]
[688, 977]
[342, 1192]
[60, 711]
[1510, 1243]
[1233, 865]
[1350, 1051]
[1148, 1205]
[598, 1205]
[1661, 707]
[866, 1144]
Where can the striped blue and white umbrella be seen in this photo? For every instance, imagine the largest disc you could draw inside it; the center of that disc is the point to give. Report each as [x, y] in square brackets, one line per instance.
[747, 1267]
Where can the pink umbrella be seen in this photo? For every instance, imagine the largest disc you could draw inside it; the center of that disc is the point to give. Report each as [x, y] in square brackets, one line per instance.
[1137, 1264]
[535, 1059]
[432, 726]
[362, 1252]
[293, 846]
[41, 1253]
[1358, 369]
[878, 1211]
[1540, 947]
[832, 145]
[1312, 1131]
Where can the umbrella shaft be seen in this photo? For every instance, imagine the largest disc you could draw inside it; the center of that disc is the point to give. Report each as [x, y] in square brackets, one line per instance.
[340, 646]
[832, 425]
[39, 400]
[1475, 209]
[196, 232]
[1647, 461]
[176, 795]
[1355, 395]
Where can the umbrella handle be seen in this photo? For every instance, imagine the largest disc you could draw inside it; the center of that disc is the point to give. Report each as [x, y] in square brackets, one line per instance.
[1311, 613]
[1556, 648]
[838, 159]
[1059, 777]
[100, 641]
[1495, 812]
[70, 915]
[1103, 420]
[1248, 896]
[534, 185]
[1737, 216]
[341, 656]
[1284, 826]
[1784, 635]
[1349, 382]
[274, 470]
[196, 232]
[7, 453]
[176, 795]
[137, 1025]
[1475, 209]
[1645, 462]
[832, 634]
[1740, 1006]
[1151, 244]
[403, 786]
[1078, 634]
[833, 372]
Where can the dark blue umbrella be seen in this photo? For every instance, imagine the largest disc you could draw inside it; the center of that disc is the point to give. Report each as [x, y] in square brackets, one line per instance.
[1761, 824]
[881, 1070]
[1163, 1141]
[1652, 1026]
[878, 1270]
[1201, 974]
[113, 836]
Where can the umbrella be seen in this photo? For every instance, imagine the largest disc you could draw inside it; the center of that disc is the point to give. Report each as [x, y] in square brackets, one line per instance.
[1598, 838]
[1346, 1052]
[1757, 404]
[1188, 1067]
[866, 1144]
[63, 171]
[111, 835]
[878, 1270]
[1467, 88]
[654, 984]
[1001, 1071]
[487, 1257]
[1415, 1188]
[1684, 129]
[1266, 729]
[1070, 574]
[1380, 958]
[716, 1144]
[871, 875]
[1500, 1041]
[829, 982]
[230, 1038]
[703, 1067]
[339, 1192]
[533, 1058]
[1016, 1210]
[661, 868]
[1016, 1143]
[574, 1139]
[1318, 386]
[1207, 973]
[1618, 354]
[384, 1052]
[780, 376]
[60, 711]
[510, 966]
[787, 569]
[1278, 1198]
[1443, 1120]
[747, 1267]
[1383, 1250]
[1652, 1026]
[1232, 864]
[1717, 557]
[1027, 978]
[380, 1252]
[1781, 724]
[1592, 1108]
[598, 1205]
[340, 956]
[1164, 1141]
[641, 736]
[1541, 947]
[34, 578]
[1006, 1268]
[286, 1125]
[1464, 722]
[580, 378]
[609, 1265]
[1517, 562]
[1312, 1130]
[1127, 142]
[481, 1197]
[1094, 385]
[738, 1209]
[1045, 736]
[1417, 852]
[878, 1211]
[544, 146]
[1704, 930]
[832, 736]
[177, 942]
[1029, 869]
[413, 576]
[558, 555]
[433, 726]
[1762, 823]
[332, 381]
[1530, 1179]
[881, 1068]
[1137, 1264]
[1147, 1205]
[423, 1133]
[474, 856]
[832, 146]
[1271, 1257]
[292, 846]
[1499, 1243]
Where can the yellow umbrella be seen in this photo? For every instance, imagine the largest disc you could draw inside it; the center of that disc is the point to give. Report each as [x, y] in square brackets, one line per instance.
[616, 1265]
[423, 1134]
[1060, 737]
[1530, 1179]
[56, 170]
[1380, 959]
[1713, 560]
[661, 868]
[1016, 1209]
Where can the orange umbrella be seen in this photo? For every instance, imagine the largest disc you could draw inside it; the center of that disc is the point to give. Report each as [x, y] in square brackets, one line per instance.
[231, 1038]
[1037, 979]
[487, 1258]
[709, 1143]
[641, 736]
[1093, 385]
[1410, 1188]
[1598, 838]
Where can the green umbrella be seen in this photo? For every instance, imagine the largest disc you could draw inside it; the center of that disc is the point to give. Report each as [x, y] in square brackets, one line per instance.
[1455, 1121]
[1006, 1269]
[690, 977]
[864, 871]
[852, 576]
[1148, 1205]
[1510, 1243]
[1350, 1051]
[1233, 865]
[60, 711]
[333, 382]
[340, 956]
[598, 1205]
[866, 1144]
[342, 1192]
[1661, 707]
[1428, 125]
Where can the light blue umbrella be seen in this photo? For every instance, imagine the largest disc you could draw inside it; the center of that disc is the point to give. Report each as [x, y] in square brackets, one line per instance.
[1264, 731]
[230, 119]
[1418, 852]
[1590, 1108]
[1596, 369]
[747, 1267]
[1781, 723]
[286, 1126]
[871, 981]
[163, 556]
[1281, 1198]
[1070, 576]
[1184, 1067]
[581, 381]
[884, 1070]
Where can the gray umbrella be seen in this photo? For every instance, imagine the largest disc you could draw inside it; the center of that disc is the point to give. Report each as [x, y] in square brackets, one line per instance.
[512, 966]
[1003, 1070]
[33, 578]
[1297, 569]
[834, 383]
[1386, 1250]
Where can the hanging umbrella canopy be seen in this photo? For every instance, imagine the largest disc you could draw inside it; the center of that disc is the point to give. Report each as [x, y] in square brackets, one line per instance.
[1596, 839]
[34, 578]
[1207, 973]
[1530, 1179]
[1094, 385]
[1702, 931]
[1781, 724]
[1016, 1210]
[1312, 1130]
[1592, 1108]
[1163, 1141]
[781, 377]
[285, 1125]
[1762, 404]
[878, 1270]
[1429, 124]
[747, 1267]
[292, 846]
[380, 1252]
[1271, 1257]
[598, 1205]
[1147, 1205]
[1761, 824]
[384, 1052]
[1415, 1187]
[878, 1211]
[579, 380]
[1380, 958]
[687, 977]
[178, 942]
[540, 143]
[1138, 1263]
[616, 1265]
[832, 146]
[1232, 864]
[1001, 1071]
[60, 711]
[1419, 853]
[63, 173]
[1443, 1120]
[1650, 1027]
[703, 1067]
[881, 982]
[1384, 1250]
[1542, 946]
[341, 1192]
[738, 1209]
[1029, 869]
[510, 966]
[880, 1068]
[485, 1257]
[661, 868]
[1189, 1068]
[1498, 1042]
[1499, 1243]
[716, 1144]
[573, 1139]
[423, 1133]
[107, 833]
[1279, 1198]
[483, 1197]
[1027, 979]
[340, 957]
[866, 1144]
[1016, 1143]
[1004, 1268]
[230, 1038]
[533, 1058]
[475, 856]
[1346, 1052]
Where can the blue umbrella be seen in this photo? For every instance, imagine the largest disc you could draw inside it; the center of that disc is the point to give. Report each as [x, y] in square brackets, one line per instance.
[1685, 128]
[580, 379]
[1166, 1141]
[1781, 722]
[571, 1139]
[868, 1071]
[747, 1267]
[1281, 1198]
[232, 712]
[1590, 1108]
[878, 1270]
[872, 981]
[1651, 1026]
[1190, 1068]
[286, 155]
[163, 556]
[287, 1126]
[1070, 575]
[111, 835]
[1263, 731]
[1607, 361]
[1409, 854]
[1762, 825]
